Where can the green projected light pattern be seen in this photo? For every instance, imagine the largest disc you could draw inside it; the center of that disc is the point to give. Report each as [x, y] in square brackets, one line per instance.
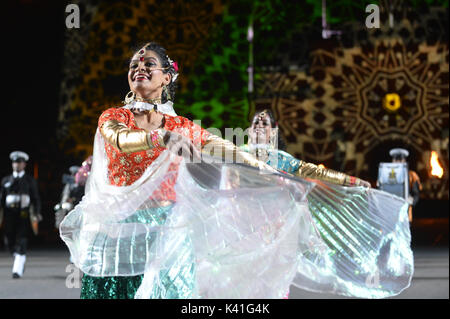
[217, 88]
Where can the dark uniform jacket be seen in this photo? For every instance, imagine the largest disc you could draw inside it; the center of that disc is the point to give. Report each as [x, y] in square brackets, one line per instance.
[25, 185]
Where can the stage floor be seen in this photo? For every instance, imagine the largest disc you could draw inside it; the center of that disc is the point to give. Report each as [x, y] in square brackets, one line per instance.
[48, 271]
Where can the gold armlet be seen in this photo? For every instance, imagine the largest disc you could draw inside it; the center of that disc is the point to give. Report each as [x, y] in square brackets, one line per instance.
[308, 170]
[216, 146]
[128, 140]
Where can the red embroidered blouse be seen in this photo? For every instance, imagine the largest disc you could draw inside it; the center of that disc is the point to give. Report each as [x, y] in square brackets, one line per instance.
[125, 168]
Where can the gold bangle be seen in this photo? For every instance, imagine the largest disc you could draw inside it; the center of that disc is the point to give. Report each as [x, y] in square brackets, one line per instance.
[309, 170]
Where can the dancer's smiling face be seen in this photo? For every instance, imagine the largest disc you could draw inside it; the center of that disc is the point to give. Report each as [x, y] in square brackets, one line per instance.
[261, 129]
[146, 76]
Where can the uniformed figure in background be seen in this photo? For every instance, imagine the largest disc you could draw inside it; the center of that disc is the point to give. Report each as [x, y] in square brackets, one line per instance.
[68, 200]
[81, 178]
[399, 155]
[20, 202]
[73, 192]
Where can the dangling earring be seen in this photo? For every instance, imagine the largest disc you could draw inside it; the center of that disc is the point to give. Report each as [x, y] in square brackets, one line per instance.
[129, 97]
[166, 90]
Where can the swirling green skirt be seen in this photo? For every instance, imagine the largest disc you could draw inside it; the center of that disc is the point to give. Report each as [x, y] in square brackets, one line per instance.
[110, 287]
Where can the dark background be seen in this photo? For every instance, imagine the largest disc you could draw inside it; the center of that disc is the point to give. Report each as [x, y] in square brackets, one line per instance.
[33, 40]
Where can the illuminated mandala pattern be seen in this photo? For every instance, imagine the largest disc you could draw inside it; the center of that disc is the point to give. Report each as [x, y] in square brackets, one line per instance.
[339, 119]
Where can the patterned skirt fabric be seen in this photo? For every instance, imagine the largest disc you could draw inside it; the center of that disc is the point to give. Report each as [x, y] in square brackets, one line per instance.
[175, 281]
[110, 287]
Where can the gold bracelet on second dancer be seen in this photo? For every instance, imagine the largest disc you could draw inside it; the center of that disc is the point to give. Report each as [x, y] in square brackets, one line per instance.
[312, 171]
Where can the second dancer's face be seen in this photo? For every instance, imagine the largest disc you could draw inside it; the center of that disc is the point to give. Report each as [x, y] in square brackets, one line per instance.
[146, 77]
[261, 129]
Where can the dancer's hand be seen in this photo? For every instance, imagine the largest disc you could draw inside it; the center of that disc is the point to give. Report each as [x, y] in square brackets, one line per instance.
[363, 183]
[182, 146]
[355, 182]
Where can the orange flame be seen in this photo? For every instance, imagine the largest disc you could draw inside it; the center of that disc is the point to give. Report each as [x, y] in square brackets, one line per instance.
[436, 168]
[321, 166]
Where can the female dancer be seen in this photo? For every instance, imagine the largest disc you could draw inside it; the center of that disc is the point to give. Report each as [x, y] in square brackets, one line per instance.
[330, 205]
[154, 225]
[134, 136]
[265, 144]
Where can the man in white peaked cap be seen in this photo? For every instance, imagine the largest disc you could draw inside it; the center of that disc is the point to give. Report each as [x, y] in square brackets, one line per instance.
[19, 198]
